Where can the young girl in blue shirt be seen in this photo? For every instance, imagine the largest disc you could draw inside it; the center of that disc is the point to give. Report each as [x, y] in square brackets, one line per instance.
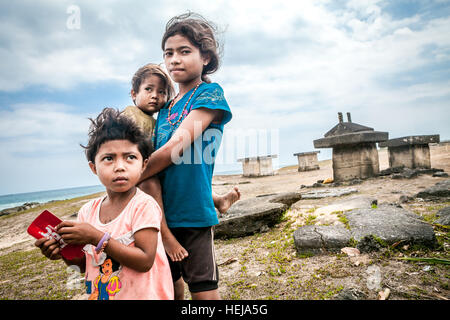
[186, 139]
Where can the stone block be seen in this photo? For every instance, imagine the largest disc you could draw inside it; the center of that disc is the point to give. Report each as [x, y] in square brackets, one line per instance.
[355, 162]
[351, 139]
[246, 217]
[257, 166]
[307, 161]
[438, 191]
[388, 223]
[317, 239]
[410, 140]
[411, 151]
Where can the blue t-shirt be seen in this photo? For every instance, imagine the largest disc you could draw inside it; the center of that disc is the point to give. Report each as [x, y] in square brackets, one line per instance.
[186, 185]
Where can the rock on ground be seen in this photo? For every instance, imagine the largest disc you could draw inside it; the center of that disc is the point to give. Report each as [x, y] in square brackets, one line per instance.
[444, 216]
[439, 190]
[253, 215]
[315, 239]
[388, 223]
[25, 206]
[355, 202]
[331, 192]
[350, 294]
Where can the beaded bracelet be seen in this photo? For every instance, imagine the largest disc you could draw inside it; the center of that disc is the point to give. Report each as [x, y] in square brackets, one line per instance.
[102, 243]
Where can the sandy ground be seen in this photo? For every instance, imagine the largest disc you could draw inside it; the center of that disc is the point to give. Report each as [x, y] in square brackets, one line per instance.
[251, 269]
[289, 179]
[266, 265]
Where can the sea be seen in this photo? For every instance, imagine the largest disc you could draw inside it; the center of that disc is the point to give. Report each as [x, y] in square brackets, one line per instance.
[18, 199]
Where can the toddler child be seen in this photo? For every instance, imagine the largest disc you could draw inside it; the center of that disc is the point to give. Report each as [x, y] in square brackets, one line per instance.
[124, 255]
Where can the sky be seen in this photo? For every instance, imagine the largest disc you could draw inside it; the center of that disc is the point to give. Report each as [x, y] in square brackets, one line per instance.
[287, 69]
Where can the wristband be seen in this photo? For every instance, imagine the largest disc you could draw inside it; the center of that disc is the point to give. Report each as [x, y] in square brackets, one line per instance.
[102, 243]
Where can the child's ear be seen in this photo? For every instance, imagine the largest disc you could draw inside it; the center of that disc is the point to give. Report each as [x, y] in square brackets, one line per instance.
[144, 164]
[133, 96]
[206, 59]
[92, 166]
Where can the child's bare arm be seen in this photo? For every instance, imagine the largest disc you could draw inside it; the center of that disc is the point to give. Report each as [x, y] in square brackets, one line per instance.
[183, 137]
[140, 257]
[152, 186]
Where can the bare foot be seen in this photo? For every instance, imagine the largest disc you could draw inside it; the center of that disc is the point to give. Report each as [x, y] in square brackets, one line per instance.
[173, 248]
[224, 202]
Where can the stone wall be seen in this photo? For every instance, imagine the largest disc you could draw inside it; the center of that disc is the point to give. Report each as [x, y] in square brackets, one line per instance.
[410, 156]
[265, 167]
[355, 161]
[250, 168]
[257, 166]
[307, 161]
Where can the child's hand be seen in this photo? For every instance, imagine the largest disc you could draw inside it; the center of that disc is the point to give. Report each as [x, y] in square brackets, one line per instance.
[49, 248]
[78, 233]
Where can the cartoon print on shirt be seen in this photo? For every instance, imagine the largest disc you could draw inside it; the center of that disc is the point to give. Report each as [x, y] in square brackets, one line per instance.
[107, 284]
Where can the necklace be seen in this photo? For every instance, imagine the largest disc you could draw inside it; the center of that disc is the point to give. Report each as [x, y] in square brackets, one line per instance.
[184, 108]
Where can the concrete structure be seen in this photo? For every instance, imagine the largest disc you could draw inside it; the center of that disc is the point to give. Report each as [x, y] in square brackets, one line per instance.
[411, 151]
[443, 146]
[257, 166]
[307, 161]
[355, 154]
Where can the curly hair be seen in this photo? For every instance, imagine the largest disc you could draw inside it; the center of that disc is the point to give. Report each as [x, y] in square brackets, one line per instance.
[152, 69]
[111, 125]
[201, 33]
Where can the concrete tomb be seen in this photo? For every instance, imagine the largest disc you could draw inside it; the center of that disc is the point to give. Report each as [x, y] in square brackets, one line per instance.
[355, 153]
[257, 166]
[411, 151]
[307, 161]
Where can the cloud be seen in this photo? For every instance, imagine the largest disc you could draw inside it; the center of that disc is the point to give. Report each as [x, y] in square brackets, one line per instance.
[358, 59]
[39, 48]
[289, 66]
[41, 149]
[38, 130]
[339, 67]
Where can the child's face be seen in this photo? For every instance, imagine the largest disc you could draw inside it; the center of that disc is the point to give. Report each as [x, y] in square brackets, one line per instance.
[152, 95]
[183, 60]
[118, 165]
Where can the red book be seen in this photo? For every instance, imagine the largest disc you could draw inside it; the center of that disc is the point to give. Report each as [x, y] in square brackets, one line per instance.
[45, 226]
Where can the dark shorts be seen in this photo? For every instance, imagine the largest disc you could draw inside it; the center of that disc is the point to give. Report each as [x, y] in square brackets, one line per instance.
[199, 270]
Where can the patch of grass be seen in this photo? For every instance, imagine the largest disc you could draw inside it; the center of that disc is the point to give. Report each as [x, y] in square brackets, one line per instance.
[380, 241]
[310, 220]
[430, 218]
[352, 243]
[330, 293]
[428, 260]
[305, 255]
[30, 275]
[342, 218]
